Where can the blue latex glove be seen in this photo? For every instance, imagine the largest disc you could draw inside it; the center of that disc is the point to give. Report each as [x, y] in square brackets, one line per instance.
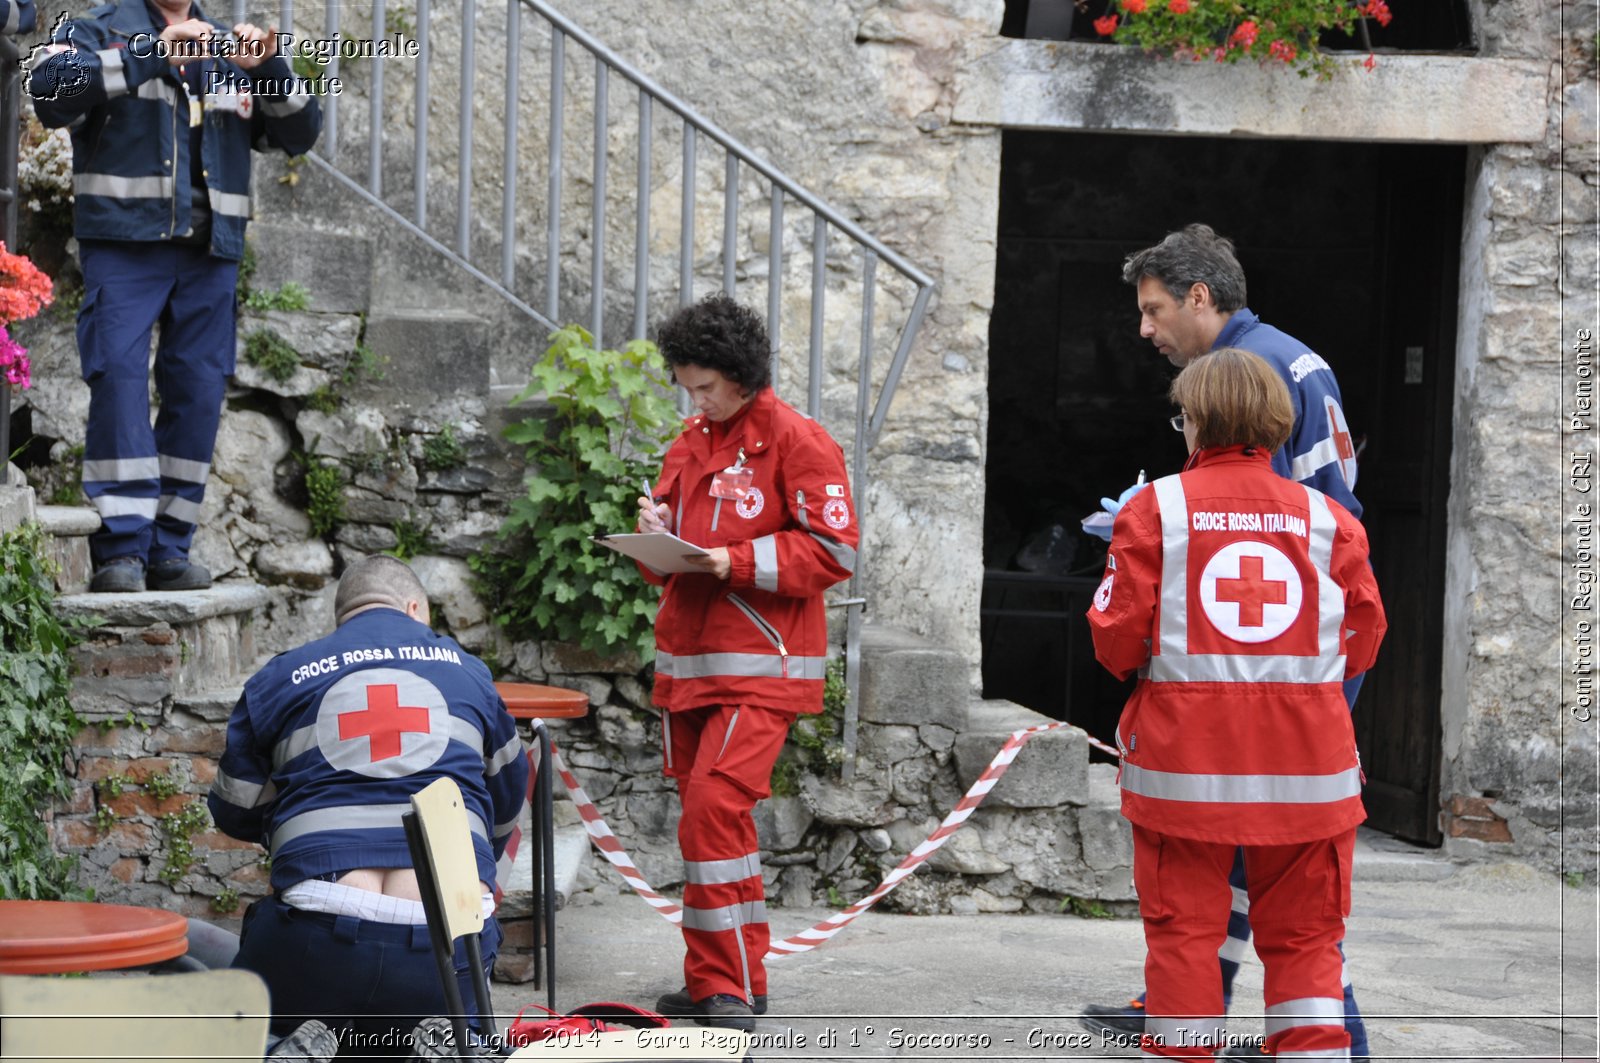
[1113, 506]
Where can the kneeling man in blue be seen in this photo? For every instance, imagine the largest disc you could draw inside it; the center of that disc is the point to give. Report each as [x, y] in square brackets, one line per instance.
[325, 748]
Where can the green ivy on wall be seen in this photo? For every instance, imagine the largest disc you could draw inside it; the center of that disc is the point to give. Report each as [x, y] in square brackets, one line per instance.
[36, 720]
[611, 415]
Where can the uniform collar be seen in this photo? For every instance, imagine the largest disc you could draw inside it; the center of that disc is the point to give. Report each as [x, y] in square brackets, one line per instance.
[1240, 323]
[752, 430]
[1234, 455]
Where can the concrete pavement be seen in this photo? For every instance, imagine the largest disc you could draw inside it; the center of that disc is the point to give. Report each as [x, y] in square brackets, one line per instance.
[1450, 962]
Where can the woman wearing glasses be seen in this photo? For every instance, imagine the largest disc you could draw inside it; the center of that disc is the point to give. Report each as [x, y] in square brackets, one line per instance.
[1243, 600]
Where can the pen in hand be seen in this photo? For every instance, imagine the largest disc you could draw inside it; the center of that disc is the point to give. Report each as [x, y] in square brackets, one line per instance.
[650, 516]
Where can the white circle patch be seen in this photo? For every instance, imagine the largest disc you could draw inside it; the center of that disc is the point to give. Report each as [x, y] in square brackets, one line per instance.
[1102, 594]
[751, 504]
[383, 723]
[1344, 447]
[1250, 591]
[836, 513]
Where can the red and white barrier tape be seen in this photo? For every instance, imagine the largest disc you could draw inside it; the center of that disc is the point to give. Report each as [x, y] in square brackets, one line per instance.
[806, 940]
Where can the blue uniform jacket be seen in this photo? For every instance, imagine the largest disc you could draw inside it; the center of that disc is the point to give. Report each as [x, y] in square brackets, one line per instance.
[1320, 452]
[17, 16]
[129, 114]
[330, 740]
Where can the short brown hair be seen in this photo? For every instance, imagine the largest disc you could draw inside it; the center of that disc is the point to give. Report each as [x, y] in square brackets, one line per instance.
[376, 580]
[1234, 398]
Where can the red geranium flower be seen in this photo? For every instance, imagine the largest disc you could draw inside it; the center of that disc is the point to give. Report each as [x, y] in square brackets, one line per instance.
[1178, 7]
[1282, 51]
[1245, 35]
[1378, 9]
[1371, 61]
[23, 287]
[1133, 7]
[1106, 26]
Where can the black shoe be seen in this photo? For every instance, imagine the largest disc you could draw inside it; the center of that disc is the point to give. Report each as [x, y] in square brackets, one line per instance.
[679, 1005]
[120, 575]
[177, 574]
[1116, 1020]
[310, 1042]
[726, 1012]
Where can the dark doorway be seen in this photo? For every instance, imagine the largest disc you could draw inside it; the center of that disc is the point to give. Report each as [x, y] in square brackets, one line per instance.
[1352, 248]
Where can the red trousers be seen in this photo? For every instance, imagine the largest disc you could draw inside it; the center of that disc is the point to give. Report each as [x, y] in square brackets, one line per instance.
[722, 757]
[1299, 897]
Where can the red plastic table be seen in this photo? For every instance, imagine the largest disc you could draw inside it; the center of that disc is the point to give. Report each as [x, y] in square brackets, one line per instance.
[536, 703]
[55, 937]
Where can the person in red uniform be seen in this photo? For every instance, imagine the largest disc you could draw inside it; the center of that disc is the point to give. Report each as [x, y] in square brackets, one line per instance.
[740, 646]
[1243, 600]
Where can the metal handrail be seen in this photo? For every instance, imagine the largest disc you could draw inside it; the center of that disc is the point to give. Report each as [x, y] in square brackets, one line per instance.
[365, 175]
[10, 130]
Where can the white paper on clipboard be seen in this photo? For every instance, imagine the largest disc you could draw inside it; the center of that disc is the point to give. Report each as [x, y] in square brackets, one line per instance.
[662, 551]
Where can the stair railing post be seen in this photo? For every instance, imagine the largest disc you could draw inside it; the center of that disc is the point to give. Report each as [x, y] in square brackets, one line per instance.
[419, 154]
[558, 110]
[508, 194]
[641, 224]
[330, 102]
[858, 487]
[380, 26]
[469, 32]
[597, 222]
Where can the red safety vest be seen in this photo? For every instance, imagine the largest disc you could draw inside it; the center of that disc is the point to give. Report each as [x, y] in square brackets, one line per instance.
[1243, 600]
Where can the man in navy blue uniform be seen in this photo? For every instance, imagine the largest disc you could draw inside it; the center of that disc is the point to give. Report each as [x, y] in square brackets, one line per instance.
[1191, 291]
[164, 107]
[325, 748]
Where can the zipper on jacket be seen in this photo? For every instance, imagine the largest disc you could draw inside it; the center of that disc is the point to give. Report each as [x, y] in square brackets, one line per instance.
[765, 628]
[172, 224]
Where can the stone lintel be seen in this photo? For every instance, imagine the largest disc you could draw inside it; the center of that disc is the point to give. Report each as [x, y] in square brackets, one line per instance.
[174, 607]
[1081, 87]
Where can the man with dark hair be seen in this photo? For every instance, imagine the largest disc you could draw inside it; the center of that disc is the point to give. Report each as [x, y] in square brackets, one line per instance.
[1191, 291]
[325, 748]
[741, 646]
[165, 107]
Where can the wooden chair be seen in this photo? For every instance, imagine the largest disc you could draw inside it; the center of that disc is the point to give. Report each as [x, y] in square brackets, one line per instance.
[447, 874]
[206, 1017]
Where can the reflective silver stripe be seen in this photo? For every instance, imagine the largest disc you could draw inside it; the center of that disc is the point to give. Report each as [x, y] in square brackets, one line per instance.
[353, 817]
[1307, 1011]
[502, 829]
[241, 793]
[294, 744]
[755, 665]
[844, 556]
[1306, 465]
[230, 203]
[1175, 664]
[121, 470]
[1173, 638]
[1234, 950]
[105, 184]
[194, 472]
[502, 756]
[730, 917]
[766, 557]
[727, 737]
[1330, 599]
[13, 18]
[722, 872]
[157, 89]
[1242, 789]
[666, 724]
[1186, 1031]
[291, 102]
[464, 731]
[179, 509]
[1238, 668]
[122, 506]
[1241, 900]
[112, 73]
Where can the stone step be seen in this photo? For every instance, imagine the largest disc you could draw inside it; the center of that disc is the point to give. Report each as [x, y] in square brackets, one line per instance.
[907, 680]
[70, 528]
[413, 347]
[335, 268]
[1050, 769]
[150, 647]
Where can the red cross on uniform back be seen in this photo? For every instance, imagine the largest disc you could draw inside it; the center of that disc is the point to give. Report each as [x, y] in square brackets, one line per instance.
[1250, 591]
[383, 721]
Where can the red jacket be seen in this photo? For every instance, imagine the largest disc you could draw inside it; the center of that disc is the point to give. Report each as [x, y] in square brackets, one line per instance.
[761, 636]
[1243, 600]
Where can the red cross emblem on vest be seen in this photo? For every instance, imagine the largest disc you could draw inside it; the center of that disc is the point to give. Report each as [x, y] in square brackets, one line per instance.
[383, 721]
[1251, 590]
[1343, 443]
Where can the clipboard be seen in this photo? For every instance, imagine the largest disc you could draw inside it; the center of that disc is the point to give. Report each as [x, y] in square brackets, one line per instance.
[661, 551]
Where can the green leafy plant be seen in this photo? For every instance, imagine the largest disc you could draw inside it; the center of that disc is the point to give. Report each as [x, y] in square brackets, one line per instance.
[115, 785]
[324, 495]
[410, 540]
[443, 450]
[324, 400]
[179, 828]
[611, 416]
[271, 353]
[362, 364]
[290, 296]
[814, 740]
[105, 818]
[1225, 31]
[36, 719]
[1084, 909]
[164, 785]
[226, 901]
[247, 272]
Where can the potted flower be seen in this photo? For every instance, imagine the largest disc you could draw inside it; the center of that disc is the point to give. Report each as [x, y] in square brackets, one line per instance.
[24, 289]
[1225, 31]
